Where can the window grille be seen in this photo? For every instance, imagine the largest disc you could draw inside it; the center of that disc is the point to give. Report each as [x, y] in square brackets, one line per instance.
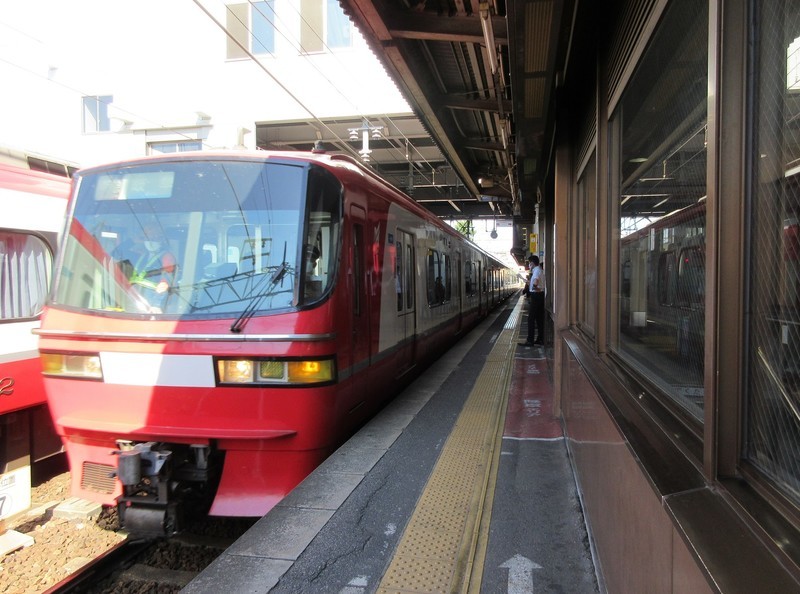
[773, 349]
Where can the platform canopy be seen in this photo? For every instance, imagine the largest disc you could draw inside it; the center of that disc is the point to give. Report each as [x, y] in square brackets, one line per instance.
[480, 76]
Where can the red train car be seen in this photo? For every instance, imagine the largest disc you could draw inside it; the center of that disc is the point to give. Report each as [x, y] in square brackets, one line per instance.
[32, 206]
[220, 322]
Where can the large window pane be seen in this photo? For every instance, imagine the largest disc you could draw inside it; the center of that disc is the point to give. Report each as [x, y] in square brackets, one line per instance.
[339, 28]
[262, 27]
[773, 417]
[25, 269]
[587, 250]
[95, 114]
[661, 131]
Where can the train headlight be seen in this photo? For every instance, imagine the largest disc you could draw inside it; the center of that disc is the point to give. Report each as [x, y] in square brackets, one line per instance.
[276, 371]
[236, 371]
[71, 365]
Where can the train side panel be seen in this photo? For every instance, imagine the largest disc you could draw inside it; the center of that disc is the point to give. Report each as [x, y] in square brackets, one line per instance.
[32, 206]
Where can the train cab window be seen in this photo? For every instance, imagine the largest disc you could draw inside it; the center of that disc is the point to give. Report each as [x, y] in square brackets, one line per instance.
[238, 234]
[659, 134]
[25, 270]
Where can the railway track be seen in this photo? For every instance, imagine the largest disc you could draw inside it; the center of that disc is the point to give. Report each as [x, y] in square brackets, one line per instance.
[162, 565]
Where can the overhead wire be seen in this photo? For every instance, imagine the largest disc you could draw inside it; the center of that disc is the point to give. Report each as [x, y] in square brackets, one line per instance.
[250, 55]
[346, 68]
[274, 19]
[294, 43]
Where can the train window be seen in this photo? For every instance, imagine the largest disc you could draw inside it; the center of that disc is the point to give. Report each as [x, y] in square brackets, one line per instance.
[666, 280]
[409, 284]
[398, 274]
[434, 278]
[431, 272]
[772, 434]
[659, 147]
[468, 278]
[201, 238]
[691, 278]
[473, 278]
[404, 271]
[447, 279]
[25, 270]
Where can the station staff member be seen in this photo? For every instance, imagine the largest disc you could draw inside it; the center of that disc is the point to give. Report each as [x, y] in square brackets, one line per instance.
[536, 309]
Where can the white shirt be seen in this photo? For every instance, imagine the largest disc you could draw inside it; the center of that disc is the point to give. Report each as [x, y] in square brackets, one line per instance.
[537, 280]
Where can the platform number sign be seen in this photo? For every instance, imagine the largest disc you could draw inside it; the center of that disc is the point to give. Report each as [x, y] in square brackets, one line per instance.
[15, 491]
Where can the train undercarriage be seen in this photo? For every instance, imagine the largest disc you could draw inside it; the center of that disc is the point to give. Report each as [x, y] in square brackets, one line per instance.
[162, 484]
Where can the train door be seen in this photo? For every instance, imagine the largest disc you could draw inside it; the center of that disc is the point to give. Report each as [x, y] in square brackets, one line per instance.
[359, 282]
[482, 308]
[459, 282]
[406, 305]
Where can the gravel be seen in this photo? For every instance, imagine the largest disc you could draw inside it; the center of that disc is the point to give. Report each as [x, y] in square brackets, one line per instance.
[60, 546]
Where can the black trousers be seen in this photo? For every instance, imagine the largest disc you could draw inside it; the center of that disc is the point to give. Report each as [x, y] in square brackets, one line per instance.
[536, 317]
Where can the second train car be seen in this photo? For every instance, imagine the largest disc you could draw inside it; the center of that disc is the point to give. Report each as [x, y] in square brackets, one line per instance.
[219, 323]
[32, 204]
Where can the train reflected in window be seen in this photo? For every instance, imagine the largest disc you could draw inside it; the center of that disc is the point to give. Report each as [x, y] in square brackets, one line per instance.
[662, 302]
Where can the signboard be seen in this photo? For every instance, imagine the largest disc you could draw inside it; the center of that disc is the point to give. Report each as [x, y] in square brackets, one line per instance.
[15, 491]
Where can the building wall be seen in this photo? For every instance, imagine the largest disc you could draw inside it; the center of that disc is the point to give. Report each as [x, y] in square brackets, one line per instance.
[671, 229]
[166, 66]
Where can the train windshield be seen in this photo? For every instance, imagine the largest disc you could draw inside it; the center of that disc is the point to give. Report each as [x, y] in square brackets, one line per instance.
[200, 238]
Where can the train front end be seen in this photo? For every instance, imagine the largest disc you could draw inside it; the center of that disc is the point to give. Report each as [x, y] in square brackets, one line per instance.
[189, 347]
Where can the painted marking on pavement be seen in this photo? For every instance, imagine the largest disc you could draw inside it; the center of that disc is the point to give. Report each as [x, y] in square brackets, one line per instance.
[520, 574]
[530, 403]
[358, 585]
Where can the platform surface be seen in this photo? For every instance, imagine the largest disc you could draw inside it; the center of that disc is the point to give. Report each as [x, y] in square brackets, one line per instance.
[461, 484]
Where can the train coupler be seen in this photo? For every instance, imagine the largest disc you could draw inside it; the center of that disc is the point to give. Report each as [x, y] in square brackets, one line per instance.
[144, 508]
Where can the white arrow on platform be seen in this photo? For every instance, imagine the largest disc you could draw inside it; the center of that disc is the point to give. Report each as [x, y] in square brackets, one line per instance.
[520, 574]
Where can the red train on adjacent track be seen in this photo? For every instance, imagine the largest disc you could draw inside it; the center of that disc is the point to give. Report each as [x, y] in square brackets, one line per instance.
[221, 322]
[32, 205]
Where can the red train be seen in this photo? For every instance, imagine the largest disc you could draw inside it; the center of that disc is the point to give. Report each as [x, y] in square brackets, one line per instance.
[663, 282]
[220, 322]
[32, 206]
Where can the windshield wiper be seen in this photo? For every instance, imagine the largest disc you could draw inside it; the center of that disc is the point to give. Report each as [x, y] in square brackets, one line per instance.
[257, 299]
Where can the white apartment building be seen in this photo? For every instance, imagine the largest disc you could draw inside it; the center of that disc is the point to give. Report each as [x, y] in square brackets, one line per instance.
[93, 81]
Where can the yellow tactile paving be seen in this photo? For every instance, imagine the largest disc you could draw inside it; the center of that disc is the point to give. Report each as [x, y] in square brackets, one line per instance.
[444, 542]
